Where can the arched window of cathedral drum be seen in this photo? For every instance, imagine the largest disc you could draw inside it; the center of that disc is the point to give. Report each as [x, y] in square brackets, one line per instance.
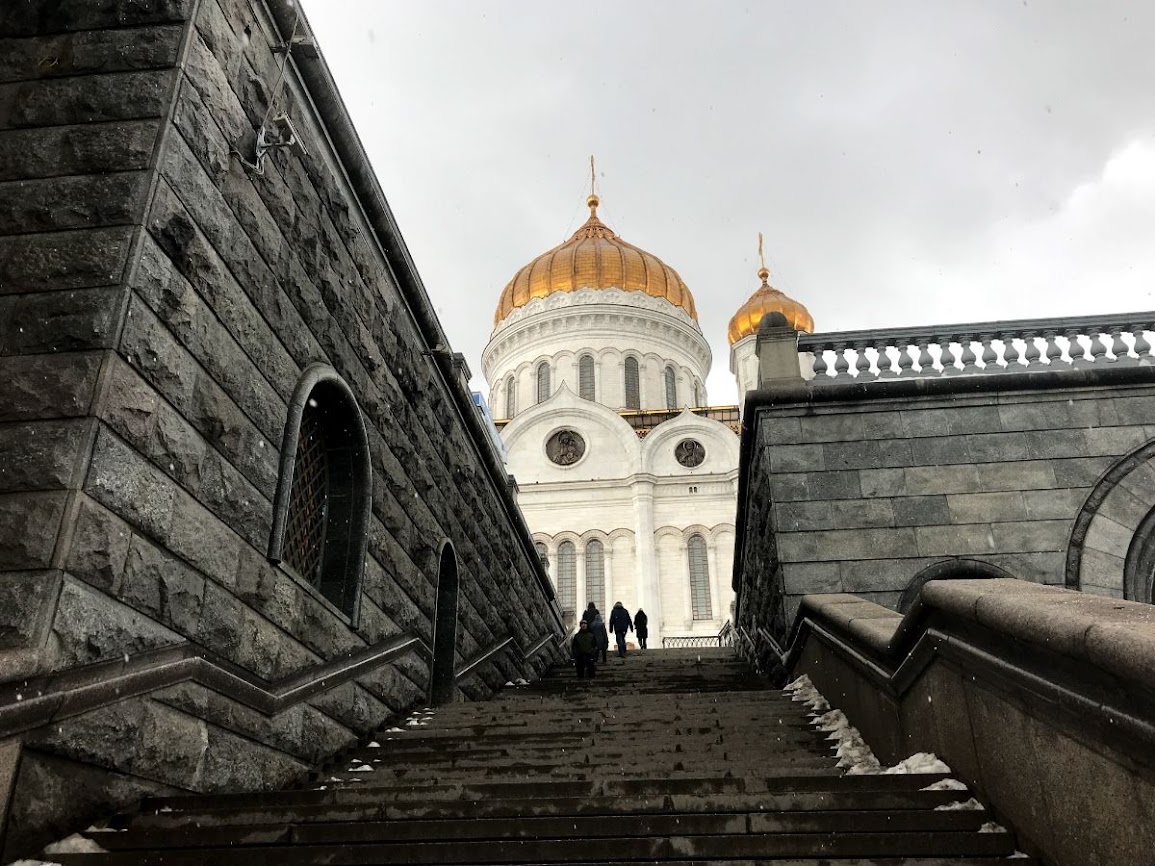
[567, 576]
[542, 554]
[596, 573]
[543, 381]
[697, 393]
[699, 578]
[321, 510]
[671, 388]
[586, 377]
[510, 397]
[633, 386]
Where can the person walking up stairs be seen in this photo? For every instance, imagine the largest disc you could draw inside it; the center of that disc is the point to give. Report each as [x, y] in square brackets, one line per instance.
[682, 756]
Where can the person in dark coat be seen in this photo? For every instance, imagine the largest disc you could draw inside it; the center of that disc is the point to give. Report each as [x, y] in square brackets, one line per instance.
[598, 627]
[642, 626]
[585, 651]
[620, 623]
[590, 612]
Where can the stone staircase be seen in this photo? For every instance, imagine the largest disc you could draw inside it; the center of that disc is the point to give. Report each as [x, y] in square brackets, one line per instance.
[670, 756]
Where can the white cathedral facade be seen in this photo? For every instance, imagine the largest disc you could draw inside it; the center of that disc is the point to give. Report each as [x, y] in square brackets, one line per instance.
[628, 478]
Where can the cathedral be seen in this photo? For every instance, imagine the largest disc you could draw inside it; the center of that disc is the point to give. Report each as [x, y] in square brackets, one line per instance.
[627, 476]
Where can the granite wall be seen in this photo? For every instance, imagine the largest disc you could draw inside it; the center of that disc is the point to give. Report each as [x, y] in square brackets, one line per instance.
[158, 302]
[868, 489]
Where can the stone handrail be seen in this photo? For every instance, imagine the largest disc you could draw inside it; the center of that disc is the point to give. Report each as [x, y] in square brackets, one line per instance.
[1022, 689]
[981, 348]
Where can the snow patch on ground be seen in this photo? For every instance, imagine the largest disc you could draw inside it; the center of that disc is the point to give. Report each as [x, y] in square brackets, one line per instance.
[360, 768]
[854, 755]
[374, 745]
[74, 844]
[960, 805]
[992, 827]
[35, 863]
[945, 785]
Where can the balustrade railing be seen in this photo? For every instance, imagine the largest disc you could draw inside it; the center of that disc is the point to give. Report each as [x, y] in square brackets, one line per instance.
[725, 637]
[981, 348]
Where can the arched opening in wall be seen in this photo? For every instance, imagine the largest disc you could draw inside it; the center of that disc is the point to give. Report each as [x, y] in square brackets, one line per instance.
[698, 394]
[567, 577]
[1139, 567]
[543, 389]
[699, 578]
[442, 678]
[510, 396]
[671, 383]
[632, 384]
[949, 569]
[542, 554]
[596, 573]
[586, 377]
[324, 492]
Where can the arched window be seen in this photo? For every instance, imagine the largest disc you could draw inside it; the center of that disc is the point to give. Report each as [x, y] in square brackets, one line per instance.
[596, 573]
[671, 388]
[633, 388]
[699, 578]
[567, 576]
[586, 377]
[321, 510]
[542, 554]
[510, 396]
[697, 393]
[543, 381]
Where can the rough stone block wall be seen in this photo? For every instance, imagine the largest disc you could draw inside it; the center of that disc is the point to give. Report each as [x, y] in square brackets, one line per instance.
[158, 302]
[861, 495]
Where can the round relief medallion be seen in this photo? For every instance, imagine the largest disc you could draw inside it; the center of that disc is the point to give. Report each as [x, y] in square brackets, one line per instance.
[565, 447]
[690, 453]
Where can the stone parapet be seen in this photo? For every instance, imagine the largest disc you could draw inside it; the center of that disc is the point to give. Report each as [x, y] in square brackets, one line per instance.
[1041, 699]
[865, 487]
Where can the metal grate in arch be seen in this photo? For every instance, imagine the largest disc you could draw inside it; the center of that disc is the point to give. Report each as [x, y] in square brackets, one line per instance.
[596, 574]
[567, 576]
[699, 578]
[633, 384]
[309, 502]
[586, 377]
[510, 397]
[543, 389]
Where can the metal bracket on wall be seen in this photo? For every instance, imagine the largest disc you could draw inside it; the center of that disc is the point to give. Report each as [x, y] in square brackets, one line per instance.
[277, 132]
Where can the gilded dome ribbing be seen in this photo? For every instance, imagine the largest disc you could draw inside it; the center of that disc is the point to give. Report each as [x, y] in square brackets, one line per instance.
[594, 258]
[768, 300]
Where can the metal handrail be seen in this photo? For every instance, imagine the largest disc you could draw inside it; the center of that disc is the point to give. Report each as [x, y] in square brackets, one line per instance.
[64, 694]
[485, 656]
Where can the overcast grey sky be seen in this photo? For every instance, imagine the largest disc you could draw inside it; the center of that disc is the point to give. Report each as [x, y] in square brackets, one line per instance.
[908, 162]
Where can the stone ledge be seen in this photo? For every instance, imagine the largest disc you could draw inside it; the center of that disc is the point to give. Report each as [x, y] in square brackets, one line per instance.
[1115, 636]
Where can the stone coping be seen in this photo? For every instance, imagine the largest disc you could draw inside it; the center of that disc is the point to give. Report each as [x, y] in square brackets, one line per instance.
[925, 386]
[1115, 636]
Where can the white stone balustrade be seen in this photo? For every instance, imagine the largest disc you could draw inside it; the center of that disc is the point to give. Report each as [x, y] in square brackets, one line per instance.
[981, 348]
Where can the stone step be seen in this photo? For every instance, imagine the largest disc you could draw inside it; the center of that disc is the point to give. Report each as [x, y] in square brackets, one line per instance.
[614, 849]
[418, 805]
[561, 827]
[831, 784]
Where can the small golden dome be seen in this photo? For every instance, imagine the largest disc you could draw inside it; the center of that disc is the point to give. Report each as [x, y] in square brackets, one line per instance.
[594, 258]
[768, 300]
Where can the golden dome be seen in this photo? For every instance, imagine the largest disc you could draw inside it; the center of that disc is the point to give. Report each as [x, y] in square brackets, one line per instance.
[768, 300]
[594, 258]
